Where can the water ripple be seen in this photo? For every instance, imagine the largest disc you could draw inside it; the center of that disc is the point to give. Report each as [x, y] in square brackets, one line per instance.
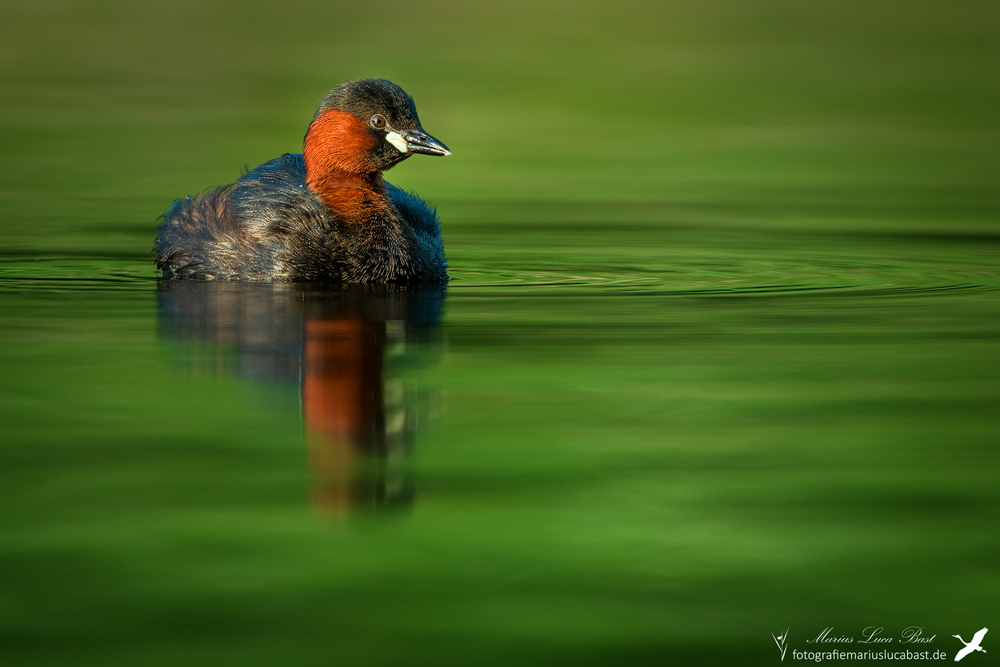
[693, 278]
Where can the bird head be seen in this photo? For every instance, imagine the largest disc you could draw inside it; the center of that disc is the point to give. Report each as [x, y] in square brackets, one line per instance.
[365, 126]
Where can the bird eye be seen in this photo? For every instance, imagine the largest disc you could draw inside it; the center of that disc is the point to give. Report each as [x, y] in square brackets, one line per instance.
[377, 121]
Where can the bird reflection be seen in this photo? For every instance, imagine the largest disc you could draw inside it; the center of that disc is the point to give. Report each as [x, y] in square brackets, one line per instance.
[346, 349]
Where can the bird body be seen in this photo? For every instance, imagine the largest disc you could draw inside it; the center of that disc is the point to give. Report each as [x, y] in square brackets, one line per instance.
[323, 215]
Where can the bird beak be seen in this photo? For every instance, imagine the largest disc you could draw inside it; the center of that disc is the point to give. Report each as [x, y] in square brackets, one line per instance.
[417, 141]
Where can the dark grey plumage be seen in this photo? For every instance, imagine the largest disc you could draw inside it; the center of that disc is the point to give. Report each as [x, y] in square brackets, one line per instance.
[268, 226]
[337, 224]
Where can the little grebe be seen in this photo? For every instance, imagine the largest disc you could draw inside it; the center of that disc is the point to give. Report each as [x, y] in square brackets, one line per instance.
[323, 215]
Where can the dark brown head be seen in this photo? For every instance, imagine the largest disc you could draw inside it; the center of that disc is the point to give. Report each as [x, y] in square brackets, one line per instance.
[363, 127]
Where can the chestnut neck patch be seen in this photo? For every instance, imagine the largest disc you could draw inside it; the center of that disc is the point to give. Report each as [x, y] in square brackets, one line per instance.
[339, 167]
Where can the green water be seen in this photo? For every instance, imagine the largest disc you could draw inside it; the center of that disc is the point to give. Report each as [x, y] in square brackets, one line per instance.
[721, 355]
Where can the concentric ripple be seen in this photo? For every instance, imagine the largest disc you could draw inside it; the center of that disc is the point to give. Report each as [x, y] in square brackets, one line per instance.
[21, 271]
[897, 277]
[650, 261]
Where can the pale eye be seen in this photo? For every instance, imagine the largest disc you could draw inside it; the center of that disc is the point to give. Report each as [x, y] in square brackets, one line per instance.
[377, 121]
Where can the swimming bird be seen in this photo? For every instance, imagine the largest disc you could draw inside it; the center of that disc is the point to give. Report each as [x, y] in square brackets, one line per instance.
[970, 646]
[323, 215]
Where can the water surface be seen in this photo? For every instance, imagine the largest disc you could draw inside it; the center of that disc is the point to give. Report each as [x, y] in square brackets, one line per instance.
[612, 446]
[720, 356]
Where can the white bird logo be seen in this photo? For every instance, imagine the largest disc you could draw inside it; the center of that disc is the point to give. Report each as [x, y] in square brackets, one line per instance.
[972, 645]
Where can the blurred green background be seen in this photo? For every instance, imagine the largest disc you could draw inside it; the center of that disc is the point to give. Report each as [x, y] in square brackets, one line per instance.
[838, 107]
[721, 350]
